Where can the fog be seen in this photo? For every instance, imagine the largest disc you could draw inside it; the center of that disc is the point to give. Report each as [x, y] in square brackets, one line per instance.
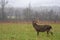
[34, 3]
[27, 10]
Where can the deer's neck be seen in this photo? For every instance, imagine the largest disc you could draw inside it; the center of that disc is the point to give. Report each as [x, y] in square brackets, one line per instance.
[34, 25]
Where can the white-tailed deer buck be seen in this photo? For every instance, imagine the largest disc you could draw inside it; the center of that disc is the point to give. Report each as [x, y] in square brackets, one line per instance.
[42, 28]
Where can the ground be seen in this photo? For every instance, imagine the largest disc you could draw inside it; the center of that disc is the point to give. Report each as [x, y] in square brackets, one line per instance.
[25, 31]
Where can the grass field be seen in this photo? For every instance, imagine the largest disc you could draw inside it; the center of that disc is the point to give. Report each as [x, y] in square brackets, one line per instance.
[18, 31]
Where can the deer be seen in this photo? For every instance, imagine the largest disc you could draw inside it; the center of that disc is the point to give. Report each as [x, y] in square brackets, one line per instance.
[42, 28]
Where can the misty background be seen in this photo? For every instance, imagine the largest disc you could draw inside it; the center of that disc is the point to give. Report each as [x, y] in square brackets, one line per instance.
[27, 10]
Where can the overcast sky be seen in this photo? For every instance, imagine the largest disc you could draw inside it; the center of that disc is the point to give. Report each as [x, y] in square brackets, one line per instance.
[34, 3]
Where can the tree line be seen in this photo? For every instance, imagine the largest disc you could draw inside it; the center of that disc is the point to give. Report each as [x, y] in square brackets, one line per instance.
[28, 14]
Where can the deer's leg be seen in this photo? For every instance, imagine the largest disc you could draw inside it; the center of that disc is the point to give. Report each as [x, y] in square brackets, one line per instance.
[37, 33]
[47, 33]
[51, 33]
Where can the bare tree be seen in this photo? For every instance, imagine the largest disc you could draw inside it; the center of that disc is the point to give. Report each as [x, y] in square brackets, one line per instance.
[50, 14]
[3, 3]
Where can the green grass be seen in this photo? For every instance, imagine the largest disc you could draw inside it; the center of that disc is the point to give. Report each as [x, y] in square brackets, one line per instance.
[13, 31]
